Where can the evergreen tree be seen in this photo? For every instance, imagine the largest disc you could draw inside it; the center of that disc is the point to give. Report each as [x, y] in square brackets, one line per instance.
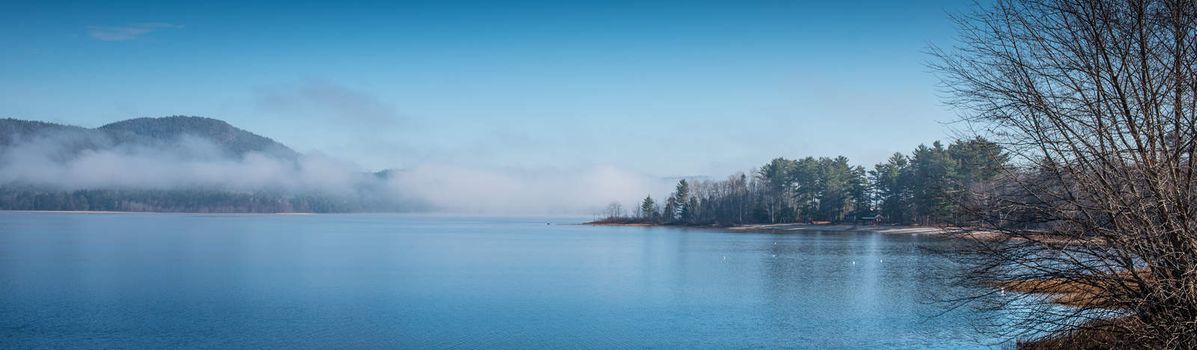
[681, 200]
[648, 210]
[669, 214]
[979, 159]
[777, 192]
[892, 186]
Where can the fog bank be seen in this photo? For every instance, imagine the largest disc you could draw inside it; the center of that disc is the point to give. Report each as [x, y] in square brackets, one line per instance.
[67, 162]
[520, 191]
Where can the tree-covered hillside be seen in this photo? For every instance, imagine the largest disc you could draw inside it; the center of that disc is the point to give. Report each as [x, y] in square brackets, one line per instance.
[147, 132]
[175, 164]
[230, 139]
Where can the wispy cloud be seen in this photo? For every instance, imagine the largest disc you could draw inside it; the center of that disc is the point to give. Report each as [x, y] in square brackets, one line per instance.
[127, 32]
[343, 103]
[366, 124]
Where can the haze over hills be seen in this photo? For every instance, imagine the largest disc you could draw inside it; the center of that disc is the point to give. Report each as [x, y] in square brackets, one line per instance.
[195, 164]
[145, 132]
[229, 139]
[187, 164]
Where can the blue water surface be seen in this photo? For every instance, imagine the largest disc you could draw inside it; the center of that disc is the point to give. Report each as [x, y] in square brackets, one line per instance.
[153, 281]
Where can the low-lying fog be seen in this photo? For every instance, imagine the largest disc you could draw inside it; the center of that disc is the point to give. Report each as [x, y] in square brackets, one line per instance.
[65, 161]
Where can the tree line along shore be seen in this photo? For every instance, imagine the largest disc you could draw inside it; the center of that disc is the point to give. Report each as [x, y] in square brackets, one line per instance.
[933, 185]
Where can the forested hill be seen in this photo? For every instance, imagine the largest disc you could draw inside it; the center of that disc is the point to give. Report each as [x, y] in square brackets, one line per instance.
[175, 164]
[230, 139]
[148, 132]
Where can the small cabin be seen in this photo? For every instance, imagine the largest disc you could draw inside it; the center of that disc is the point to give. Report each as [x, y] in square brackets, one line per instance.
[870, 220]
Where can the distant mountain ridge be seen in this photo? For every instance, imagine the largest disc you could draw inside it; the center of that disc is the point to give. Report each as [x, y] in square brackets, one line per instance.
[147, 132]
[13, 131]
[157, 165]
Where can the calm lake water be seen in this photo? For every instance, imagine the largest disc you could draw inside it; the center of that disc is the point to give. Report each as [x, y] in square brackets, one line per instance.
[145, 281]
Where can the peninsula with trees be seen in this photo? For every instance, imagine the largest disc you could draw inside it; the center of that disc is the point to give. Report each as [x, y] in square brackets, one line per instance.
[933, 185]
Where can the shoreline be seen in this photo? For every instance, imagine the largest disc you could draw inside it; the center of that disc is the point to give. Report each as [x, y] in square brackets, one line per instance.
[97, 212]
[65, 211]
[801, 227]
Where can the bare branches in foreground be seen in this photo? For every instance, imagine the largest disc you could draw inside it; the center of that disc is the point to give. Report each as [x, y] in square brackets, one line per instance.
[1094, 100]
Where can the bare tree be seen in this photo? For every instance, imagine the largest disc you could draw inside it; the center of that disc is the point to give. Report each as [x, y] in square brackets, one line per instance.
[1095, 101]
[615, 211]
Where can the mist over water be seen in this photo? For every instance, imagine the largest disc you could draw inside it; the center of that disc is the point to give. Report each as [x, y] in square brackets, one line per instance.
[517, 191]
[187, 163]
[69, 161]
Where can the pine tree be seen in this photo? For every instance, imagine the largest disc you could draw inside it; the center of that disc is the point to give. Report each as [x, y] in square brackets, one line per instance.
[648, 210]
[681, 200]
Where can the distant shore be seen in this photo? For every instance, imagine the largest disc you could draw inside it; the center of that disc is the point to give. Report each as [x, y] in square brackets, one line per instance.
[64, 211]
[150, 212]
[801, 227]
[890, 229]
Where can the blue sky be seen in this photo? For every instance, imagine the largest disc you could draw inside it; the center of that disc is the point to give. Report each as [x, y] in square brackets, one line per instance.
[662, 88]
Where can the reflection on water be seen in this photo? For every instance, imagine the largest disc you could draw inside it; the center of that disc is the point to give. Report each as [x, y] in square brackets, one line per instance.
[386, 281]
